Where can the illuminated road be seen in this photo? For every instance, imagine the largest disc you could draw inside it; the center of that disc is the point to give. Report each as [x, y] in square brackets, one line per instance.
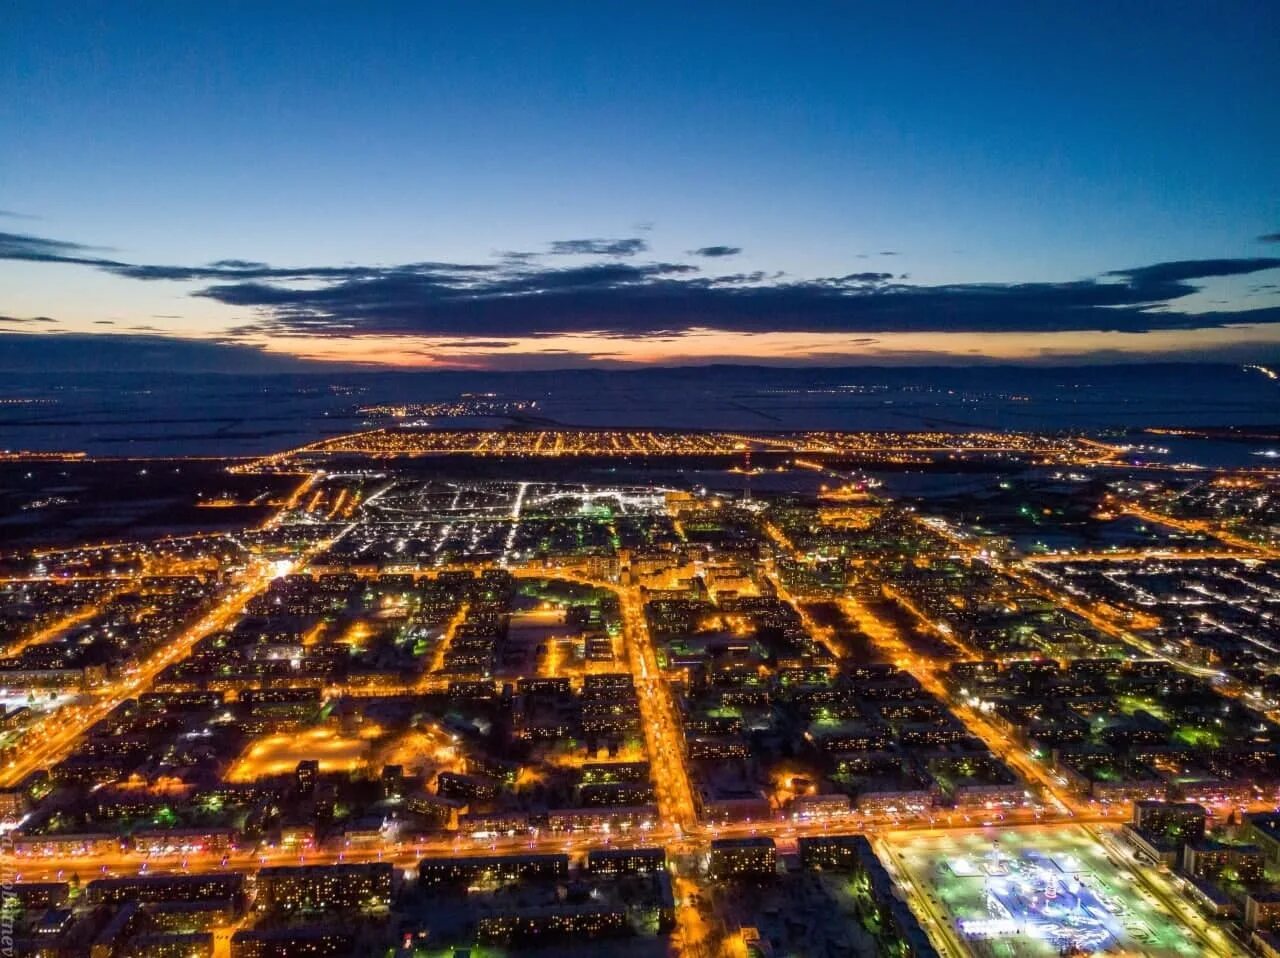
[1024, 574]
[408, 853]
[1129, 555]
[72, 722]
[664, 740]
[663, 737]
[64, 624]
[940, 931]
[895, 649]
[1211, 938]
[1224, 536]
[1102, 623]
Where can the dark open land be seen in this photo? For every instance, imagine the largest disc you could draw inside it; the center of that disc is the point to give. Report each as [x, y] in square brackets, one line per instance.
[47, 503]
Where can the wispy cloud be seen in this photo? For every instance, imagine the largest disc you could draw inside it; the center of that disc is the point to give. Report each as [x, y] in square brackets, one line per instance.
[1180, 271]
[599, 247]
[38, 249]
[477, 343]
[25, 320]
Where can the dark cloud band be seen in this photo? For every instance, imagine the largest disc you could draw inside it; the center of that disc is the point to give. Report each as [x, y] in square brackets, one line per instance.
[520, 297]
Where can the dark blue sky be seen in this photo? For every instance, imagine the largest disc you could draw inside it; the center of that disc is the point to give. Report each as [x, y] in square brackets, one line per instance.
[981, 145]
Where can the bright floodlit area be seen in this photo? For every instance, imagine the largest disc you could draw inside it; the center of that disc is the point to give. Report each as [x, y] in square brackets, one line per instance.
[1034, 893]
[280, 754]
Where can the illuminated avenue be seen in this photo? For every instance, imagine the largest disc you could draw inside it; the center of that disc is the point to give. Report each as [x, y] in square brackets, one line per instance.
[433, 690]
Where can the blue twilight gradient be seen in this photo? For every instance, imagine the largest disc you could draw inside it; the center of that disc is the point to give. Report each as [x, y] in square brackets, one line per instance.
[981, 142]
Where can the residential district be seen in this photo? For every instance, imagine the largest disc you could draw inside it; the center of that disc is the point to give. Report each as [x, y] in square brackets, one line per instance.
[440, 692]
